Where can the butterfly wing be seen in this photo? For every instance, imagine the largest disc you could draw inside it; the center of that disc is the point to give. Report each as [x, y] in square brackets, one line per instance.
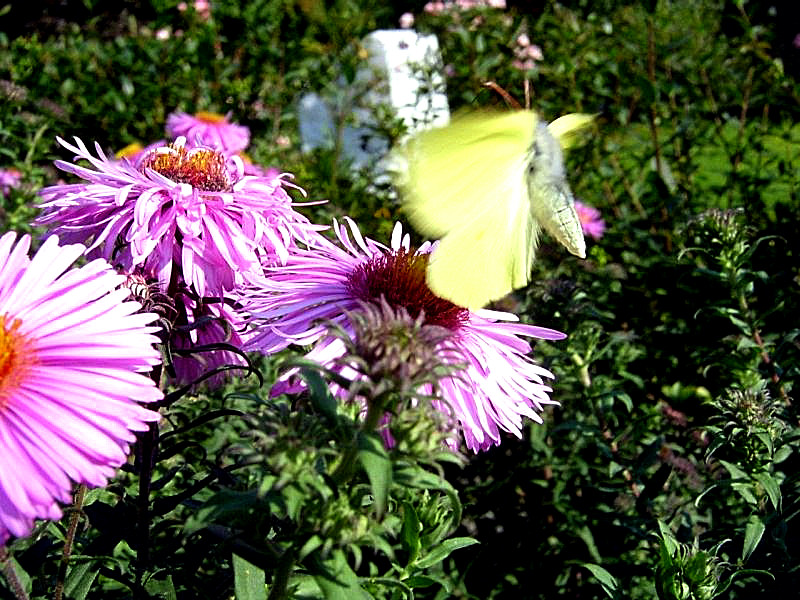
[467, 185]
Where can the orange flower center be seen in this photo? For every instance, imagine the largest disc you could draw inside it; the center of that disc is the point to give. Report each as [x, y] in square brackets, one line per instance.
[202, 168]
[209, 117]
[129, 150]
[16, 358]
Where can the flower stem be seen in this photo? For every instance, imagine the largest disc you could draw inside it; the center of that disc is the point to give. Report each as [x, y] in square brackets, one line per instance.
[280, 581]
[10, 573]
[147, 448]
[376, 409]
[80, 494]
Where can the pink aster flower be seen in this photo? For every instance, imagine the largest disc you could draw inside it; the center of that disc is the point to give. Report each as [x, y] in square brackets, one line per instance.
[72, 356]
[9, 178]
[591, 223]
[500, 384]
[209, 129]
[178, 209]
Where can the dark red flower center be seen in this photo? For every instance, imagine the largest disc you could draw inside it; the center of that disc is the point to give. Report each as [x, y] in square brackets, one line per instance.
[399, 277]
[202, 168]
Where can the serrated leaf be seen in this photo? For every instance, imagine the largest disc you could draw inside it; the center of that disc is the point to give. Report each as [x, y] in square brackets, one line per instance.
[375, 459]
[249, 580]
[753, 532]
[444, 550]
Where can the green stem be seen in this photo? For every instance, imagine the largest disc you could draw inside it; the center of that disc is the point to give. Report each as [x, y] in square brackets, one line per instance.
[280, 582]
[147, 446]
[74, 518]
[376, 409]
[10, 573]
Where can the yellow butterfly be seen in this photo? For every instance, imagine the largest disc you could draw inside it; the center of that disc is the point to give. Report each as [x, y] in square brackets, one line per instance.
[486, 185]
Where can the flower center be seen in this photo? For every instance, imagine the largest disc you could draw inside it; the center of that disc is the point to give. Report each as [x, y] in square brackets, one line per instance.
[202, 168]
[400, 278]
[209, 117]
[16, 358]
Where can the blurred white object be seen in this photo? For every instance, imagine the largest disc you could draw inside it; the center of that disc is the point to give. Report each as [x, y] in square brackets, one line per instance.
[403, 72]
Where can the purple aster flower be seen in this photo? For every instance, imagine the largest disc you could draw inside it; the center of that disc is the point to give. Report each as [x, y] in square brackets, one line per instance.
[9, 178]
[591, 223]
[73, 354]
[500, 383]
[210, 129]
[178, 211]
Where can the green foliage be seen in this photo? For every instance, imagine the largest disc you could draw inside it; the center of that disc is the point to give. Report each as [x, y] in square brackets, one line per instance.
[675, 383]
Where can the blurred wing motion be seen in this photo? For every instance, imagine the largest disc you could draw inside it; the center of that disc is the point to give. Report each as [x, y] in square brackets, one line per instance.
[486, 185]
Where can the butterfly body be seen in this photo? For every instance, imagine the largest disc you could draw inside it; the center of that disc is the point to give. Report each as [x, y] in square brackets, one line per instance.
[486, 185]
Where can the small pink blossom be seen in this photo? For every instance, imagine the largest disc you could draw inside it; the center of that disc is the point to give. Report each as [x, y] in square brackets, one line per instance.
[9, 178]
[591, 222]
[406, 20]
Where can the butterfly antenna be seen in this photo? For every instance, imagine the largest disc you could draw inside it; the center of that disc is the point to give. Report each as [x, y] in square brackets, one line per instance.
[506, 96]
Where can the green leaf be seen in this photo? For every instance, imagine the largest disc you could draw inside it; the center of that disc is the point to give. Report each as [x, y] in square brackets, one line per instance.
[22, 575]
[249, 580]
[606, 579]
[670, 543]
[161, 588]
[586, 535]
[313, 543]
[79, 580]
[734, 471]
[444, 550]
[766, 439]
[373, 457]
[423, 581]
[337, 580]
[321, 396]
[753, 532]
[410, 533]
[771, 487]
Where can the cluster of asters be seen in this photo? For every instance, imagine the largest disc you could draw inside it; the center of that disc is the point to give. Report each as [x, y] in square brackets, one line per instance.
[192, 221]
